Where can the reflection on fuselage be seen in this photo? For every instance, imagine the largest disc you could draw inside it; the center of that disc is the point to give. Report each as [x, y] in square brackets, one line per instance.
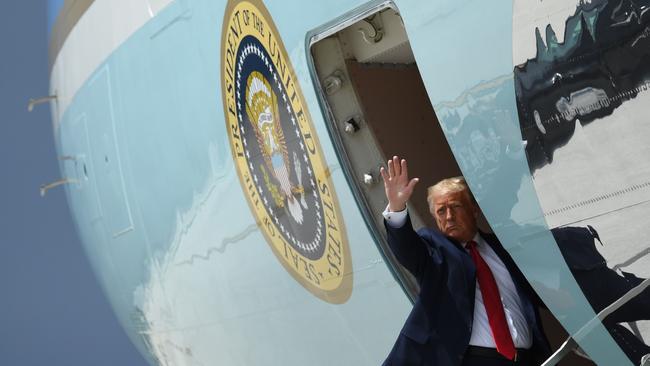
[602, 286]
[581, 105]
[601, 63]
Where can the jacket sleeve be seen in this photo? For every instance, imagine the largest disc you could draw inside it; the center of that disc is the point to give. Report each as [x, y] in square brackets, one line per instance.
[410, 249]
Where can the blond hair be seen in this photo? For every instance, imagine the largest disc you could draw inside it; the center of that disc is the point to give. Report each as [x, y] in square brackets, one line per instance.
[448, 185]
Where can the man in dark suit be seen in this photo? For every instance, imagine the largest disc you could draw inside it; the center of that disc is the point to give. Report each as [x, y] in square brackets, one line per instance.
[474, 307]
[602, 286]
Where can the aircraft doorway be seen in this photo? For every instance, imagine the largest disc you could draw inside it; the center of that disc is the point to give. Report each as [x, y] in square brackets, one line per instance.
[377, 106]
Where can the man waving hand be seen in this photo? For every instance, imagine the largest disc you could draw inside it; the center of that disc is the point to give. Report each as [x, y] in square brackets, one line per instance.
[474, 306]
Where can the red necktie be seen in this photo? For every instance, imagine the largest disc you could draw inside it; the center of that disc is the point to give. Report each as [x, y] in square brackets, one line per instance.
[493, 306]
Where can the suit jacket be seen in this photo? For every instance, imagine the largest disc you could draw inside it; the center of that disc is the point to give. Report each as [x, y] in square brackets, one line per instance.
[578, 247]
[600, 284]
[438, 329]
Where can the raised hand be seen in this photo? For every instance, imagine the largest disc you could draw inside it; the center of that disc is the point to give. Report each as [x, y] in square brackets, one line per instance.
[397, 185]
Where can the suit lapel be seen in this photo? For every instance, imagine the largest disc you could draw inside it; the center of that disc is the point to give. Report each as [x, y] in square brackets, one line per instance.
[467, 263]
[494, 243]
[517, 276]
[468, 273]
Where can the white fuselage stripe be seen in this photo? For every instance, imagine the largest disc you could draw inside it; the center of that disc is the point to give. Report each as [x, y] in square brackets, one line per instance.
[100, 31]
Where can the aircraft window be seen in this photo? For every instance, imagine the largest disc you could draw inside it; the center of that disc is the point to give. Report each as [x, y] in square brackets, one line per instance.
[376, 105]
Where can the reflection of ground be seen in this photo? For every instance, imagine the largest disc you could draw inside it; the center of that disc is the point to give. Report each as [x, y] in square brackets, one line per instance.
[603, 168]
[601, 177]
[219, 296]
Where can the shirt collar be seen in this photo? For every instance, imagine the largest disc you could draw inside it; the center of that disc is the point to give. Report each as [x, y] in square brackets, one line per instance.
[477, 238]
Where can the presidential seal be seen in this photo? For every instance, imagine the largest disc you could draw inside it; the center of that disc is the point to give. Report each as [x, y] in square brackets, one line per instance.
[279, 160]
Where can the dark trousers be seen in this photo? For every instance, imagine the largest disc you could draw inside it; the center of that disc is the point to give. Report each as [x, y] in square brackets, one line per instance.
[488, 361]
[603, 286]
[480, 356]
[632, 346]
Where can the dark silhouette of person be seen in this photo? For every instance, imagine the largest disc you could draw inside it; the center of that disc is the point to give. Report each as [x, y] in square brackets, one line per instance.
[602, 286]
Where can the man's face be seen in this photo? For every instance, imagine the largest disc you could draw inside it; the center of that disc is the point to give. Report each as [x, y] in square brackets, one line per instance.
[455, 214]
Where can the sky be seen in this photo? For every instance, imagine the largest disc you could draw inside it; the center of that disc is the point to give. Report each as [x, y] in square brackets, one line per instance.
[52, 311]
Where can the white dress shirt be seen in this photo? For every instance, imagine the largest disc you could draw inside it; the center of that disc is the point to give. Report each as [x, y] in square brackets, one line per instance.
[481, 332]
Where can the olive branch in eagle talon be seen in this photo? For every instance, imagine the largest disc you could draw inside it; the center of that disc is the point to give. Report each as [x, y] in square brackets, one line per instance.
[277, 197]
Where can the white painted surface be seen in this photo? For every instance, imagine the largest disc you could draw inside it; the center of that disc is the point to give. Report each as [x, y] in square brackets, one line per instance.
[100, 30]
[530, 14]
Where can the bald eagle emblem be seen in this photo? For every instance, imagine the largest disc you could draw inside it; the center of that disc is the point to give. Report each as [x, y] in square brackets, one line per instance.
[284, 176]
[263, 114]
